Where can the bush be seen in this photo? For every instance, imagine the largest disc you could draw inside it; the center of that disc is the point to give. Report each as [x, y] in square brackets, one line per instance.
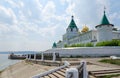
[119, 43]
[109, 43]
[103, 43]
[111, 61]
[80, 45]
[89, 45]
[65, 45]
[77, 45]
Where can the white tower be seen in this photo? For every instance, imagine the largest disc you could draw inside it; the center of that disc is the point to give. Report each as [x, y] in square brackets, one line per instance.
[71, 31]
[104, 30]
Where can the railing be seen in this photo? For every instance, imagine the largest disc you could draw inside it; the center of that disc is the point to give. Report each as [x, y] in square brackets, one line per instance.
[66, 64]
[78, 72]
[44, 56]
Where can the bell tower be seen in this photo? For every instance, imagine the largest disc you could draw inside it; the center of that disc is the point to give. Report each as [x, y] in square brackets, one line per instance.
[71, 31]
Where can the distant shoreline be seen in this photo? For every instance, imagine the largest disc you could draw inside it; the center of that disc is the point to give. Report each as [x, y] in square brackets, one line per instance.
[26, 69]
[18, 52]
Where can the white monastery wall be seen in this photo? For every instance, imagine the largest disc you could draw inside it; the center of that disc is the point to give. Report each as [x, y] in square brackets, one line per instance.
[87, 51]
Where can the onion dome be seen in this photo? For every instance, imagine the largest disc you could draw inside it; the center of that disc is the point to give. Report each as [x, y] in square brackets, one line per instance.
[85, 29]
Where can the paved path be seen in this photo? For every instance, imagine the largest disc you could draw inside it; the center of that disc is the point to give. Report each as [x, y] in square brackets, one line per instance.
[97, 66]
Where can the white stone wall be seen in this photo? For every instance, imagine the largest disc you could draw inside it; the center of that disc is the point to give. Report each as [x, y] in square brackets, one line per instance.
[116, 34]
[87, 51]
[89, 36]
[69, 35]
[104, 33]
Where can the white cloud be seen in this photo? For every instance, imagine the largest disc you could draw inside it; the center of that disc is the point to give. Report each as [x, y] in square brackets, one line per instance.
[7, 15]
[115, 15]
[29, 13]
[4, 28]
[24, 45]
[87, 12]
[39, 5]
[70, 9]
[33, 23]
[21, 4]
[62, 2]
[12, 3]
[48, 11]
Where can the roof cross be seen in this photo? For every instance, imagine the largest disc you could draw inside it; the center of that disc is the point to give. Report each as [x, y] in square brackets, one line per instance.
[104, 9]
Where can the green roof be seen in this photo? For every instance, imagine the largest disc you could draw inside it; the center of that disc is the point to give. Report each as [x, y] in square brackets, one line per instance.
[54, 45]
[72, 24]
[104, 20]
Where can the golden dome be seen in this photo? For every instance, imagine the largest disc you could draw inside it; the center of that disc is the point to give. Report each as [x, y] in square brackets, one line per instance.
[85, 29]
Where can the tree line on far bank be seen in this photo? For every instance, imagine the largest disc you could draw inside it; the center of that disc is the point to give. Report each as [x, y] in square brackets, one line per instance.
[103, 43]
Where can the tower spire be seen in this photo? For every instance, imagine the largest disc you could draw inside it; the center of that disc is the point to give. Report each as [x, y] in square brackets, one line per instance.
[104, 9]
[72, 23]
[104, 20]
[72, 17]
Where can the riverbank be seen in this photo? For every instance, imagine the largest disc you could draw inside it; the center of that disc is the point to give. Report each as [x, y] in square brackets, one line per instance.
[27, 69]
[23, 70]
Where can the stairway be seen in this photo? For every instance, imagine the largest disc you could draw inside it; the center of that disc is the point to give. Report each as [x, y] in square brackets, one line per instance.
[58, 74]
[101, 73]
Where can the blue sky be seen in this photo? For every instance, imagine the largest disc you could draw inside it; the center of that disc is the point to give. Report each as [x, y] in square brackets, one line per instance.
[36, 24]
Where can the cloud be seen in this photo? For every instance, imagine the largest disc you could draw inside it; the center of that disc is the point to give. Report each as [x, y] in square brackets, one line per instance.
[3, 29]
[87, 12]
[48, 11]
[39, 5]
[24, 45]
[12, 3]
[70, 9]
[7, 15]
[32, 23]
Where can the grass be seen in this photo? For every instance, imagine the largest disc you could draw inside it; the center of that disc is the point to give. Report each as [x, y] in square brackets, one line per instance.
[1, 71]
[111, 61]
[110, 76]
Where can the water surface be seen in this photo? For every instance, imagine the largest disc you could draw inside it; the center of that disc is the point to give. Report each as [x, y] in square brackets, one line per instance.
[5, 62]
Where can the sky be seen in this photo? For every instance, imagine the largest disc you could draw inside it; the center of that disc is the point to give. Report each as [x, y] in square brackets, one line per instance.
[33, 25]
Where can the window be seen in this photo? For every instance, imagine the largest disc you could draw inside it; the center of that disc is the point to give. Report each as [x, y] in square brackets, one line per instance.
[94, 37]
[71, 29]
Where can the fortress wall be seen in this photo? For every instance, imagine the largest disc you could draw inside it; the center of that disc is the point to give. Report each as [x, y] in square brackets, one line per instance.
[87, 51]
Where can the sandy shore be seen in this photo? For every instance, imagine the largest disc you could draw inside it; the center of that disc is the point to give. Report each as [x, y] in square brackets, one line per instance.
[23, 70]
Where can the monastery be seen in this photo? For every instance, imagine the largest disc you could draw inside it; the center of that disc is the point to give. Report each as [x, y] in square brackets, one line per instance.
[104, 31]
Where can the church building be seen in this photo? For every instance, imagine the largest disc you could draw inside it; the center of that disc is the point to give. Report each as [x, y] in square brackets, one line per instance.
[105, 31]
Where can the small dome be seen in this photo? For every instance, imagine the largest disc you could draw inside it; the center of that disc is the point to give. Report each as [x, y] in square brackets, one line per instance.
[85, 29]
[54, 45]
